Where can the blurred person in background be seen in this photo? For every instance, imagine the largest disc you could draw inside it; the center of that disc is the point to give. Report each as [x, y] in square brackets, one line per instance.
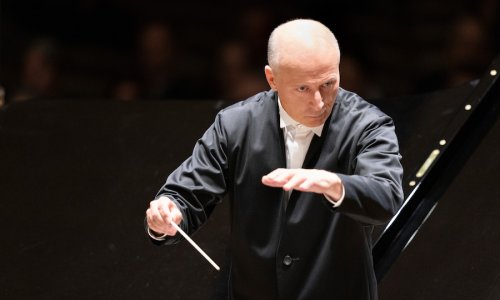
[239, 60]
[236, 77]
[356, 78]
[155, 68]
[39, 76]
[469, 51]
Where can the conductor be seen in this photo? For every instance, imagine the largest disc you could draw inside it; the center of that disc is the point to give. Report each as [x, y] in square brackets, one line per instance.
[309, 169]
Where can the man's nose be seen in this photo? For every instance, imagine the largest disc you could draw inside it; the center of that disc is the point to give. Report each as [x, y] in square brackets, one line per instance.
[318, 100]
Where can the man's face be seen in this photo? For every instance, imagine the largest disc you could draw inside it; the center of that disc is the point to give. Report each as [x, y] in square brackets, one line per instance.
[307, 90]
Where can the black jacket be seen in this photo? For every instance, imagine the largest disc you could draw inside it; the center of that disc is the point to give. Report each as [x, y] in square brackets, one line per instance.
[310, 250]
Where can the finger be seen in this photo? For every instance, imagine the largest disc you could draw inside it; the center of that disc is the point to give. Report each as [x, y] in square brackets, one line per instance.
[281, 178]
[165, 211]
[152, 221]
[271, 182]
[319, 183]
[310, 185]
[175, 213]
[149, 217]
[285, 176]
[153, 214]
[294, 182]
[269, 179]
[167, 208]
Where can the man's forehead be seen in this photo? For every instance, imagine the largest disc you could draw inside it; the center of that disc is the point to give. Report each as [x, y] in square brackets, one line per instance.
[313, 61]
[297, 80]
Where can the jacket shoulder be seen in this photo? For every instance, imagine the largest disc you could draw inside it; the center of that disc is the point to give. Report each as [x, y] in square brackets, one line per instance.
[257, 107]
[251, 103]
[353, 106]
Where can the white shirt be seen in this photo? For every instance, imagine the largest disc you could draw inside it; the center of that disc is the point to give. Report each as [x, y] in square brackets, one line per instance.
[298, 138]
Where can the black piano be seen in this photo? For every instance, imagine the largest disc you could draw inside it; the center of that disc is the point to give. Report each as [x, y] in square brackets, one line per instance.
[76, 177]
[445, 241]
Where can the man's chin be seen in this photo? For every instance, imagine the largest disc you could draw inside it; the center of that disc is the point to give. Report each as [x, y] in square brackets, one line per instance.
[314, 122]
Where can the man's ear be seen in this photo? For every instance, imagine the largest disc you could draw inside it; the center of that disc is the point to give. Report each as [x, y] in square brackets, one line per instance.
[270, 77]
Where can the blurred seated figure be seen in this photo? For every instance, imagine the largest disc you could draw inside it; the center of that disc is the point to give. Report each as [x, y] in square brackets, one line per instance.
[236, 78]
[469, 51]
[465, 55]
[126, 90]
[154, 73]
[39, 72]
[155, 56]
[355, 78]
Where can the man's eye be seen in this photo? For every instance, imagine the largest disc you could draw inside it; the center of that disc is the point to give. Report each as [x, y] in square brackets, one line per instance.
[302, 89]
[328, 84]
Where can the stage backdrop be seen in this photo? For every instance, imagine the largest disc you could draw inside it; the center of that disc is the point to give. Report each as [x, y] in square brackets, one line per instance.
[75, 181]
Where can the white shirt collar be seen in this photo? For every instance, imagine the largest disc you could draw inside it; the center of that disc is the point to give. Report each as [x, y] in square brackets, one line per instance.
[286, 120]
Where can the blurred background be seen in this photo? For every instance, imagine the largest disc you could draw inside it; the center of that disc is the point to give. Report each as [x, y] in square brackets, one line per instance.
[82, 172]
[140, 50]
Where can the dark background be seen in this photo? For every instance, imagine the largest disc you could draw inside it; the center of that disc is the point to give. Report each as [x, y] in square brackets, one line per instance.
[78, 167]
[75, 182]
[217, 49]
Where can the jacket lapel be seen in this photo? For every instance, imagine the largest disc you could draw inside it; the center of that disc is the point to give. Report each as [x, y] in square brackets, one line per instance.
[315, 147]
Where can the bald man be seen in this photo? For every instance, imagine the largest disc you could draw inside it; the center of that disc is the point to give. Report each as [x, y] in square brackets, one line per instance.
[309, 168]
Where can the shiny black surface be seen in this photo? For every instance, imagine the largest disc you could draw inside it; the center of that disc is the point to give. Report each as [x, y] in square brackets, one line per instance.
[458, 183]
[454, 255]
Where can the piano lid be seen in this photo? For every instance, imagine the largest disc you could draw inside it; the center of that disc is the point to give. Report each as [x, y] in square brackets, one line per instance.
[449, 144]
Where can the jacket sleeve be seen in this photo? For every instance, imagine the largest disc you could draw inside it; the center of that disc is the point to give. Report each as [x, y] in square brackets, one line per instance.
[373, 192]
[200, 182]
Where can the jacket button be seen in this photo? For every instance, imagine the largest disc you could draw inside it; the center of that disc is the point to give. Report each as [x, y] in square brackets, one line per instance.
[287, 260]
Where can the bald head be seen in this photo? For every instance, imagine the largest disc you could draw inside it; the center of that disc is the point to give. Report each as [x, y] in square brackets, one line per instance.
[298, 40]
[303, 69]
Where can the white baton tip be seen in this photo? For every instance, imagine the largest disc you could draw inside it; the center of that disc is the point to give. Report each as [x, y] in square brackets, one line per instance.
[195, 245]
